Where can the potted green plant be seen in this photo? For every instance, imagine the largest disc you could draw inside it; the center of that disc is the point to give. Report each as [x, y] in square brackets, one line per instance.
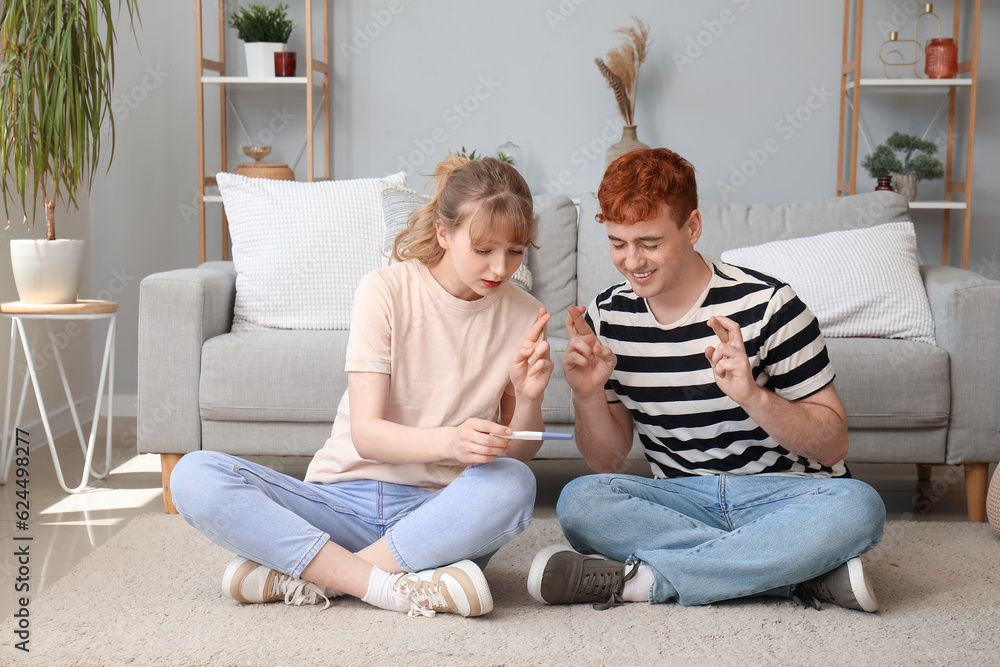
[917, 164]
[56, 72]
[264, 31]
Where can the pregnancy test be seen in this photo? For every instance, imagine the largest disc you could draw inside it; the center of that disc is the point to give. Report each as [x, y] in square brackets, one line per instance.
[537, 435]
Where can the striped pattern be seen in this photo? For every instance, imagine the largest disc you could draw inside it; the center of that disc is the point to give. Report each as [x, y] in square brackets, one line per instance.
[687, 425]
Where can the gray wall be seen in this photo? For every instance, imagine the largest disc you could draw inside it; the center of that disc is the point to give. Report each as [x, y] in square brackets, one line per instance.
[414, 80]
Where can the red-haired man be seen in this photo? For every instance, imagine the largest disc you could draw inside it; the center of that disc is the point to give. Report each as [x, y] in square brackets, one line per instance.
[724, 374]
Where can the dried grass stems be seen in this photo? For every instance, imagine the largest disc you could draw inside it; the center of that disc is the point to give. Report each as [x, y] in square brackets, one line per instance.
[621, 70]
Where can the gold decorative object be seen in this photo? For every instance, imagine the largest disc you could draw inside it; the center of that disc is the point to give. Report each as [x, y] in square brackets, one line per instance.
[894, 57]
[928, 12]
[258, 153]
[258, 169]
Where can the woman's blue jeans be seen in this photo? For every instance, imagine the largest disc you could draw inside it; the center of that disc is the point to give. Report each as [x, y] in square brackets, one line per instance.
[282, 522]
[722, 537]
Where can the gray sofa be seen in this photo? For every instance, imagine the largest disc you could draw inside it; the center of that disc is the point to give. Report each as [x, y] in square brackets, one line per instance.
[274, 393]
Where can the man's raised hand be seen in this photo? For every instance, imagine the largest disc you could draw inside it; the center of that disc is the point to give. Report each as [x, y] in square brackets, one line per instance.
[587, 363]
[729, 360]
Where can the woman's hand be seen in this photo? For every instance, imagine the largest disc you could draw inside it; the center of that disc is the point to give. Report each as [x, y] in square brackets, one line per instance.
[531, 367]
[476, 441]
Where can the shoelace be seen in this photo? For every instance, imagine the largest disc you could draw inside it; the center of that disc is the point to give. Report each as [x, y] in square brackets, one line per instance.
[610, 584]
[297, 591]
[411, 589]
[812, 593]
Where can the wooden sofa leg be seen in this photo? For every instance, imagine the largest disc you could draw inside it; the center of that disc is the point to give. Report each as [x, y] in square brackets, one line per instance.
[924, 471]
[168, 461]
[976, 488]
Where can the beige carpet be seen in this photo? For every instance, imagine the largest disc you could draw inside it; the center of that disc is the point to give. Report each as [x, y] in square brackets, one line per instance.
[151, 596]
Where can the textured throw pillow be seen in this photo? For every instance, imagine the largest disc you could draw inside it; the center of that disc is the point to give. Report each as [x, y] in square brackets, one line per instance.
[858, 282]
[399, 201]
[300, 248]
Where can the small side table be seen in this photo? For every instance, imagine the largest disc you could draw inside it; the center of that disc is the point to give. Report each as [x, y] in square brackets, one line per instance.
[81, 310]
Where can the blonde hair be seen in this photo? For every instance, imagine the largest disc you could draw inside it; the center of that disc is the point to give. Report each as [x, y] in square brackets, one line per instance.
[491, 195]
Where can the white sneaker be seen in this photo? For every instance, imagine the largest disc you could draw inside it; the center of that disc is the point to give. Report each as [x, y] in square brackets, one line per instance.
[252, 583]
[460, 589]
[845, 586]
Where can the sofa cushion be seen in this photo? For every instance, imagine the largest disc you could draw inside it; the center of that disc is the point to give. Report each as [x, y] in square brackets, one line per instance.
[596, 272]
[858, 282]
[273, 376]
[554, 263]
[726, 226]
[301, 248]
[557, 406]
[891, 384]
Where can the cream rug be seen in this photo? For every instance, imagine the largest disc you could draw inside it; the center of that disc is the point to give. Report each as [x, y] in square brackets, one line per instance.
[150, 596]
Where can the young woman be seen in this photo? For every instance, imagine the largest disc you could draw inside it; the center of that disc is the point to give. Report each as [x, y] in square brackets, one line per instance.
[420, 482]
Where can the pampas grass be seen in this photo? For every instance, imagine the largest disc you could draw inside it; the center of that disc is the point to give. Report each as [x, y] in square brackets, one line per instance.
[621, 70]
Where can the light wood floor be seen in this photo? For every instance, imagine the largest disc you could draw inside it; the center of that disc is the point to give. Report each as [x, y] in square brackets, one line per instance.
[65, 528]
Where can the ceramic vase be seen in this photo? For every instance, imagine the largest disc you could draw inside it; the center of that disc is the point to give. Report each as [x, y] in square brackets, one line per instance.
[47, 271]
[884, 183]
[260, 58]
[906, 185]
[629, 142]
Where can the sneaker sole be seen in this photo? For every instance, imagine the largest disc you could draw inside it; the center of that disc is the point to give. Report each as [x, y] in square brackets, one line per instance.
[538, 569]
[235, 566]
[483, 604]
[861, 587]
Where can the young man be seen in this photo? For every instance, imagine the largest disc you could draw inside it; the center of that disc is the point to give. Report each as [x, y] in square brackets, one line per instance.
[724, 374]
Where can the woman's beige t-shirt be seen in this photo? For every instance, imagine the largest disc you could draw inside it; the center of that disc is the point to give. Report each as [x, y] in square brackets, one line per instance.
[448, 359]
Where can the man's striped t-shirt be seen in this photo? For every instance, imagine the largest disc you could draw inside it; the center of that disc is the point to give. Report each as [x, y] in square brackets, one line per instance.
[685, 422]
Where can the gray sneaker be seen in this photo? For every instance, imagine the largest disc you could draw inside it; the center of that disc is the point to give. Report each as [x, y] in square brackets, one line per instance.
[846, 586]
[559, 575]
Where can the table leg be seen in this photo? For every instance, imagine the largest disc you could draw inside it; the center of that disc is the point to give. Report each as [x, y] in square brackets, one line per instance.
[4, 455]
[41, 403]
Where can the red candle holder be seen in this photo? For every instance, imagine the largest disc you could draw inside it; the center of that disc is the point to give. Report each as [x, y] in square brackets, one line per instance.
[284, 63]
[941, 59]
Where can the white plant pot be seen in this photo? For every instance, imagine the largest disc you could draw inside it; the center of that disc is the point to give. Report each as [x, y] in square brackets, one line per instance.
[47, 271]
[260, 58]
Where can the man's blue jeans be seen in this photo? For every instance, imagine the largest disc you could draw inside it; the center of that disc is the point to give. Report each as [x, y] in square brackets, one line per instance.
[722, 537]
[282, 522]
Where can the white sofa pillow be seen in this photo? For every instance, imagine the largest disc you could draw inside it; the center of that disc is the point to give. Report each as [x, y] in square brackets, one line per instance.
[858, 282]
[300, 248]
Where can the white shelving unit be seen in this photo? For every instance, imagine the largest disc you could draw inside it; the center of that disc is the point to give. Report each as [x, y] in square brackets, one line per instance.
[214, 73]
[851, 86]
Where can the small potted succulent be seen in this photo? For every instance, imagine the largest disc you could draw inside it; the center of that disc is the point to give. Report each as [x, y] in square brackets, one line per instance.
[264, 32]
[917, 164]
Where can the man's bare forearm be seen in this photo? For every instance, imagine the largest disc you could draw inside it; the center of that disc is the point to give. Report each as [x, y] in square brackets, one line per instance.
[601, 438]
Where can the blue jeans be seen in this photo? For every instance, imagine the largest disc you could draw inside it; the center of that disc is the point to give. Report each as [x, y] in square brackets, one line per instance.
[722, 537]
[282, 522]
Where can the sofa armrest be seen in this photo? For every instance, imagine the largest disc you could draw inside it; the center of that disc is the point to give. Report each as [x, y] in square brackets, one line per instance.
[966, 309]
[178, 311]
